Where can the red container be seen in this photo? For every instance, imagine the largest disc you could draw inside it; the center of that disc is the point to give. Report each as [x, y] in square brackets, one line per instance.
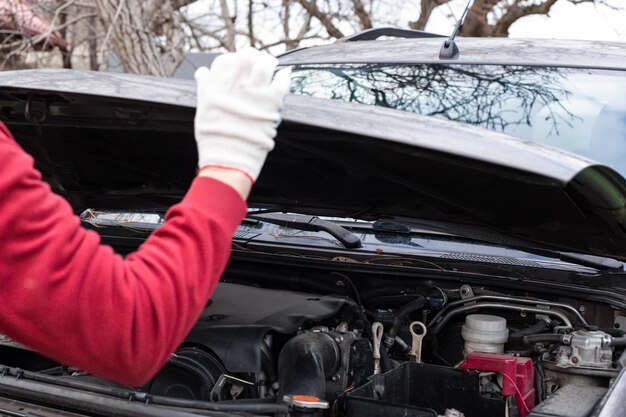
[518, 375]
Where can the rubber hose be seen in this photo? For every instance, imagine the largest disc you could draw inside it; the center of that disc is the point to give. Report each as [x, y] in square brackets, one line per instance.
[613, 332]
[385, 361]
[516, 337]
[618, 341]
[193, 367]
[414, 305]
[368, 326]
[540, 338]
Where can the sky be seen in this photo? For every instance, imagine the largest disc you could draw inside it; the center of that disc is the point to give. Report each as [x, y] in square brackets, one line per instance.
[566, 21]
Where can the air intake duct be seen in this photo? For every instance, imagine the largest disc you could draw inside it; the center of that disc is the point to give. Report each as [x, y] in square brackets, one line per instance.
[306, 362]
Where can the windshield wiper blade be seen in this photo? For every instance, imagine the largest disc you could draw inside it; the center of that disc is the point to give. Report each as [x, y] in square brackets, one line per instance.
[597, 262]
[312, 223]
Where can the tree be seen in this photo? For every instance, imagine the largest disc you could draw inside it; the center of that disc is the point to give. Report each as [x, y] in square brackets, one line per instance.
[150, 36]
[146, 35]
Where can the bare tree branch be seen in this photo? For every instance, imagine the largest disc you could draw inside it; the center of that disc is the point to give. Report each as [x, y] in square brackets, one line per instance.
[515, 12]
[427, 7]
[311, 7]
[364, 17]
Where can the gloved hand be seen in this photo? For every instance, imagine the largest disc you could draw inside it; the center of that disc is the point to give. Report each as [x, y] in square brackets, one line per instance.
[238, 110]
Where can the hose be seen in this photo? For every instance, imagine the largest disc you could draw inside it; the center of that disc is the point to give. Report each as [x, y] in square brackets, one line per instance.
[385, 361]
[543, 338]
[612, 331]
[409, 308]
[515, 338]
[191, 366]
[618, 341]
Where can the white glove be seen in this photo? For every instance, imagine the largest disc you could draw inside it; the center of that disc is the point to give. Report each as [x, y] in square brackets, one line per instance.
[238, 110]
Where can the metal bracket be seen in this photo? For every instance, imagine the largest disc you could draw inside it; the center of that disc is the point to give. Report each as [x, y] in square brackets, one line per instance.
[466, 292]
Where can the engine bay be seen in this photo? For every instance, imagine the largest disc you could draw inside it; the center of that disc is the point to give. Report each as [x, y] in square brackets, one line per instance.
[393, 350]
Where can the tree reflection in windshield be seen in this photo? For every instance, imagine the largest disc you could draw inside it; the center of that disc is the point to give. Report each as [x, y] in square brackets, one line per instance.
[581, 111]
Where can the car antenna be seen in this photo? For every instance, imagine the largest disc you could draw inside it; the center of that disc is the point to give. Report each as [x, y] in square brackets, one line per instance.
[449, 50]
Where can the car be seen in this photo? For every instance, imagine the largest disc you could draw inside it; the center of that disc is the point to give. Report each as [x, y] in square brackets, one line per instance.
[564, 94]
[391, 264]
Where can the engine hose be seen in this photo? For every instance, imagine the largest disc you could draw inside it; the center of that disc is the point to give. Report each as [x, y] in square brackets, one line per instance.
[612, 331]
[414, 305]
[385, 361]
[193, 367]
[543, 338]
[618, 341]
[516, 337]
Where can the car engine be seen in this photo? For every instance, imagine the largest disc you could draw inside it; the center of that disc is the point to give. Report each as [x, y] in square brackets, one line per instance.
[454, 351]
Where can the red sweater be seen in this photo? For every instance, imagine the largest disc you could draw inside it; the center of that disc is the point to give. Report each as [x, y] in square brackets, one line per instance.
[74, 300]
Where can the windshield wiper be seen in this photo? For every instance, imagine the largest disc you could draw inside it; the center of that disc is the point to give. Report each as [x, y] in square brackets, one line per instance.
[597, 262]
[312, 223]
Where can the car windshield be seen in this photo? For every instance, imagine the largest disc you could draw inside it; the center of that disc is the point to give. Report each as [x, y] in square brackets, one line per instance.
[578, 110]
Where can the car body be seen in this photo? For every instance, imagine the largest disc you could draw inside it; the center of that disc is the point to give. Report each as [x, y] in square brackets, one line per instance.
[363, 218]
[547, 91]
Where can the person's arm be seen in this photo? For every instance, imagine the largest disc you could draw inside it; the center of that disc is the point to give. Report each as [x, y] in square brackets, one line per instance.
[74, 300]
[237, 180]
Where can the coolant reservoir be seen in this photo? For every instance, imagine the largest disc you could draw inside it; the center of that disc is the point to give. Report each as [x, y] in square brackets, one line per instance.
[484, 333]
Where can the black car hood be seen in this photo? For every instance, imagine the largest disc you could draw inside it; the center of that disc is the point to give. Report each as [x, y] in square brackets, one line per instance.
[118, 141]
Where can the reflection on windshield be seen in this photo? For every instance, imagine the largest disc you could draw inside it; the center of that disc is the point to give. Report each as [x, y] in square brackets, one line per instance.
[581, 111]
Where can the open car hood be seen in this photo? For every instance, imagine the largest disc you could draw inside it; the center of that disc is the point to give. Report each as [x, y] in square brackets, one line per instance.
[119, 141]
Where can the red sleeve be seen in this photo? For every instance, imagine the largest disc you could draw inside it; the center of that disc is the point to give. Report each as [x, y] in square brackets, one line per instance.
[74, 300]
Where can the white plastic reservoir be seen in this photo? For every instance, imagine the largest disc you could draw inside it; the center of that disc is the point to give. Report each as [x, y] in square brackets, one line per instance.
[484, 333]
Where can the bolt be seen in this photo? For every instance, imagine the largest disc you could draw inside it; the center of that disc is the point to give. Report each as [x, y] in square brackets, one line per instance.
[574, 359]
[335, 378]
[582, 309]
[522, 313]
[338, 339]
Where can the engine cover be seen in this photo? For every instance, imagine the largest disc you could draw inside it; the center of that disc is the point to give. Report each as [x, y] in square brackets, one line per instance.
[238, 318]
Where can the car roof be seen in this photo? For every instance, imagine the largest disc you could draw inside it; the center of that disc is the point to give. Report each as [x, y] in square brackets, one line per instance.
[497, 51]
